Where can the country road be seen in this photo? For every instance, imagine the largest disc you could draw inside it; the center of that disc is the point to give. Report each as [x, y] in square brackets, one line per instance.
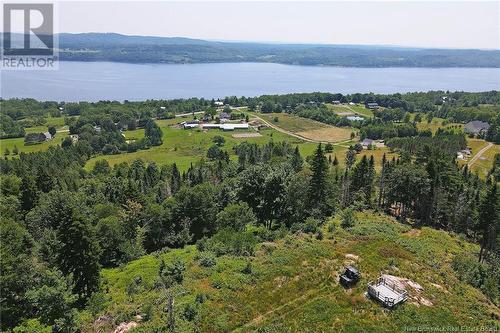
[279, 129]
[478, 155]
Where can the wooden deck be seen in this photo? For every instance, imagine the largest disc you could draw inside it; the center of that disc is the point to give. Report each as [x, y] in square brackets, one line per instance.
[386, 293]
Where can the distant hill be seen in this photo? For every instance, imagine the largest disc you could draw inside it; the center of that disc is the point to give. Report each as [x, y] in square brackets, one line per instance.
[148, 49]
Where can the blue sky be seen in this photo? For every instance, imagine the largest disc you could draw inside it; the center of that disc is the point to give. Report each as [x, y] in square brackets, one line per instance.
[445, 24]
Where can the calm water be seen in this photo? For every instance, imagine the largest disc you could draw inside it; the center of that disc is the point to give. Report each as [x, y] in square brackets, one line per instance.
[76, 81]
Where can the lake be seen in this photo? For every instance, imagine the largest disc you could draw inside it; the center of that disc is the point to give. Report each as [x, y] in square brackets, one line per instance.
[93, 81]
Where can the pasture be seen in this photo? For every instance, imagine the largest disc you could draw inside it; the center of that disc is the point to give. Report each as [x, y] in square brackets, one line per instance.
[189, 146]
[307, 128]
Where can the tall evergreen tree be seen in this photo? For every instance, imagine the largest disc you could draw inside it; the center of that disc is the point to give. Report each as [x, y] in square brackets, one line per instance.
[175, 179]
[153, 132]
[317, 185]
[489, 222]
[29, 193]
[79, 254]
[297, 160]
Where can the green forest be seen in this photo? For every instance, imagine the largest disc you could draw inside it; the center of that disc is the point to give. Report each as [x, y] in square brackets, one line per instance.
[144, 49]
[237, 240]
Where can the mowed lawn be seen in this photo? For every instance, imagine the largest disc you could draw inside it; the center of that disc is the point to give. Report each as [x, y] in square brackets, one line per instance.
[308, 128]
[483, 164]
[58, 123]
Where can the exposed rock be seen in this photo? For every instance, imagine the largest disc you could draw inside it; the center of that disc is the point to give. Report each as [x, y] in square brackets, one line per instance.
[425, 301]
[352, 256]
[125, 327]
[402, 282]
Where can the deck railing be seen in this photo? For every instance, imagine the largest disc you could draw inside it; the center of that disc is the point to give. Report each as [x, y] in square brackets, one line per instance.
[389, 301]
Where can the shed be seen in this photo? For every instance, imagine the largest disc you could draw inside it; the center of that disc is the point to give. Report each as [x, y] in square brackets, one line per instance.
[350, 277]
[371, 106]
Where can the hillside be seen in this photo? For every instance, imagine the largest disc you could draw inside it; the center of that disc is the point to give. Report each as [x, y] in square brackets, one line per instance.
[290, 284]
[149, 49]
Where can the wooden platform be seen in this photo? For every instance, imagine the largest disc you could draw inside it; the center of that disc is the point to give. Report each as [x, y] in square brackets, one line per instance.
[386, 293]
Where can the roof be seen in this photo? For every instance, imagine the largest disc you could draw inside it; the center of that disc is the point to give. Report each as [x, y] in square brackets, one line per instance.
[372, 104]
[355, 118]
[224, 115]
[476, 126]
[352, 269]
[367, 141]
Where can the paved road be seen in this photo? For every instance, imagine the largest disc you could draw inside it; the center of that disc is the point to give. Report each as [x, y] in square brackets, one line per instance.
[478, 155]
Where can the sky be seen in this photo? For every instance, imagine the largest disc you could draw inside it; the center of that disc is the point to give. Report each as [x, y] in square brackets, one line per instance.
[443, 24]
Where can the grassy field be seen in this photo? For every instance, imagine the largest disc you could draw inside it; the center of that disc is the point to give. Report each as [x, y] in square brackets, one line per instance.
[435, 124]
[19, 142]
[189, 146]
[483, 164]
[308, 128]
[292, 285]
[292, 123]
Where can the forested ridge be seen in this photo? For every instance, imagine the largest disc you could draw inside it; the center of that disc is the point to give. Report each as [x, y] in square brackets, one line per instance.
[62, 224]
[147, 49]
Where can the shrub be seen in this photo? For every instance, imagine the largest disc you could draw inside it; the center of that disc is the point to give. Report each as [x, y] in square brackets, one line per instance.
[190, 312]
[347, 218]
[228, 241]
[207, 259]
[172, 272]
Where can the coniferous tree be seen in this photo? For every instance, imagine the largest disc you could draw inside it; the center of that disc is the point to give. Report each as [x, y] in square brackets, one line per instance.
[79, 253]
[29, 193]
[335, 161]
[317, 185]
[488, 222]
[350, 158]
[153, 132]
[175, 179]
[297, 160]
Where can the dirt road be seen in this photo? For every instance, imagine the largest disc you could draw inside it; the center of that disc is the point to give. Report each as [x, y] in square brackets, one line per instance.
[279, 129]
[478, 155]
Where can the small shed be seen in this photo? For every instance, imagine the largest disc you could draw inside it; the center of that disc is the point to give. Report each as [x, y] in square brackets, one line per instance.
[371, 105]
[350, 277]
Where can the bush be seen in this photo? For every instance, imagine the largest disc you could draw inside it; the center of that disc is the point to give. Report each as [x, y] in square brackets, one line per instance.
[207, 259]
[310, 225]
[172, 272]
[227, 241]
[480, 275]
[190, 312]
[347, 218]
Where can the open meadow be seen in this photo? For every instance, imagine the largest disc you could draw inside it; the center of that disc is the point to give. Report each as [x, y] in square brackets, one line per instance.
[307, 128]
[292, 283]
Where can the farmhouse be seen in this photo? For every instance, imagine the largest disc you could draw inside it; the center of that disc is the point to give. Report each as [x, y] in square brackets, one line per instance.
[476, 127]
[371, 106]
[336, 102]
[366, 143]
[218, 103]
